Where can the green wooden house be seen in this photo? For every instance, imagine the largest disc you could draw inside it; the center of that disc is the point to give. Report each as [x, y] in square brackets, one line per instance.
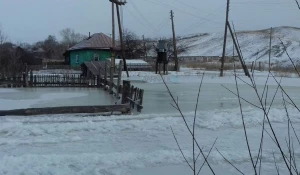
[95, 48]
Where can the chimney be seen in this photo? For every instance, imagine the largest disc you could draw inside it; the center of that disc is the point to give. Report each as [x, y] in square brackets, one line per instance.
[89, 34]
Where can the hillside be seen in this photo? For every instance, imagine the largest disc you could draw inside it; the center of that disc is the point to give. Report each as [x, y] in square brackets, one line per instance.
[254, 44]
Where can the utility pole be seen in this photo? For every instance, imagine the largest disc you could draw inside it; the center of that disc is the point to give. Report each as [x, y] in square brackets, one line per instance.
[225, 40]
[238, 50]
[113, 54]
[174, 43]
[232, 51]
[145, 49]
[113, 62]
[119, 3]
[270, 47]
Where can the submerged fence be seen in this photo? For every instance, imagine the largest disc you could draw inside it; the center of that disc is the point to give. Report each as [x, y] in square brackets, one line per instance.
[65, 80]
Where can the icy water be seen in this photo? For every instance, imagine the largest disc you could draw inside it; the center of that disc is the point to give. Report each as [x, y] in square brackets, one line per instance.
[140, 144]
[156, 97]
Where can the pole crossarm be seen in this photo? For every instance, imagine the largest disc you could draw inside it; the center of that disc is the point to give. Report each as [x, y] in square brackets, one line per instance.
[118, 2]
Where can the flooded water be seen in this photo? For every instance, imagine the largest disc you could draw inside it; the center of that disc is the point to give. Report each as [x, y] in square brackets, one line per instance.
[141, 143]
[53, 97]
[212, 96]
[156, 97]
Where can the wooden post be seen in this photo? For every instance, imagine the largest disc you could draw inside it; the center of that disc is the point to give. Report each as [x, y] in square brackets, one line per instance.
[167, 69]
[26, 75]
[121, 39]
[225, 40]
[238, 51]
[126, 91]
[252, 66]
[119, 77]
[14, 81]
[100, 78]
[132, 96]
[270, 48]
[132, 90]
[113, 54]
[174, 43]
[111, 80]
[35, 82]
[259, 66]
[140, 106]
[105, 73]
[24, 80]
[31, 78]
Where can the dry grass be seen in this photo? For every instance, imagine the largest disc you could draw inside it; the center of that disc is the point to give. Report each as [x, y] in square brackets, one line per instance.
[285, 69]
[280, 71]
[212, 66]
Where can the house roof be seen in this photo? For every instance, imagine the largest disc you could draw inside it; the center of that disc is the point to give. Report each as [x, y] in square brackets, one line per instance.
[96, 41]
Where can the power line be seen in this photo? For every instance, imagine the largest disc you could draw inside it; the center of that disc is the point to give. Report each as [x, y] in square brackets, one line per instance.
[145, 20]
[161, 25]
[155, 31]
[141, 22]
[260, 2]
[190, 5]
[180, 10]
[213, 13]
[139, 12]
[148, 26]
[250, 1]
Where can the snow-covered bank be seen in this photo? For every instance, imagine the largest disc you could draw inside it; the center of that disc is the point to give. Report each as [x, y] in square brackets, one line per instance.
[254, 45]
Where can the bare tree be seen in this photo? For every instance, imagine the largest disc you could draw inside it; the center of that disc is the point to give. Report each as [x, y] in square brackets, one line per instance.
[70, 37]
[133, 45]
[3, 36]
[24, 45]
[51, 47]
[181, 48]
[10, 64]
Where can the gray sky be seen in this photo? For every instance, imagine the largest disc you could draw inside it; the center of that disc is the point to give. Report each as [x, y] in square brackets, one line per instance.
[33, 20]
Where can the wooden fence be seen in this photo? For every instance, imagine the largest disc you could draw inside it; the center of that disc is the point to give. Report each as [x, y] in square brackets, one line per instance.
[66, 80]
[105, 79]
[51, 67]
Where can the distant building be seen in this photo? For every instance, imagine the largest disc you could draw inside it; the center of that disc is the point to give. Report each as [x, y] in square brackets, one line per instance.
[28, 57]
[95, 48]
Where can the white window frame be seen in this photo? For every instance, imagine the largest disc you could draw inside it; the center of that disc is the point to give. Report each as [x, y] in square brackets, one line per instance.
[96, 56]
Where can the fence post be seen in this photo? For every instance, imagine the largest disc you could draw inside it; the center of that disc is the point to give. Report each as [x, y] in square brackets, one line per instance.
[126, 91]
[100, 78]
[111, 80]
[252, 66]
[31, 78]
[24, 80]
[35, 82]
[119, 77]
[259, 66]
[140, 106]
[167, 69]
[105, 73]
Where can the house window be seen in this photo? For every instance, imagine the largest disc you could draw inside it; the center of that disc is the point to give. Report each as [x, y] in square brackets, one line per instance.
[77, 59]
[96, 57]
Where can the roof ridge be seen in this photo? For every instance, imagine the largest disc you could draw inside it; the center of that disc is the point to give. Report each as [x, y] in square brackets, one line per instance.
[96, 41]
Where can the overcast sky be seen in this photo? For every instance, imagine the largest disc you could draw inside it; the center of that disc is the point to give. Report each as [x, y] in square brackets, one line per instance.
[33, 20]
